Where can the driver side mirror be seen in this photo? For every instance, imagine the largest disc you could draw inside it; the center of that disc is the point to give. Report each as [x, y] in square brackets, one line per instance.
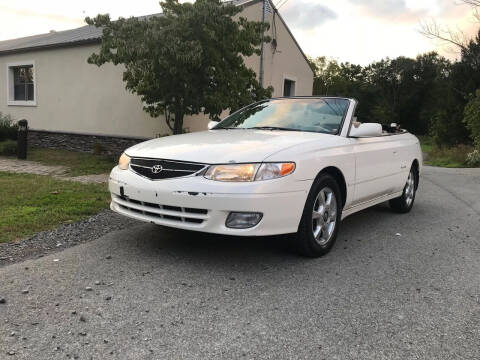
[366, 130]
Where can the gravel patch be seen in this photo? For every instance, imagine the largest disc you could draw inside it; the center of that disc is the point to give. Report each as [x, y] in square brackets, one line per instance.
[64, 236]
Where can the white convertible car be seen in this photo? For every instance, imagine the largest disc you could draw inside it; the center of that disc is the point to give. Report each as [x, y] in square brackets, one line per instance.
[288, 165]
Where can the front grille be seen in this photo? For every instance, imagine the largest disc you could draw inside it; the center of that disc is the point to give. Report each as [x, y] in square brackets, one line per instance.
[167, 212]
[158, 169]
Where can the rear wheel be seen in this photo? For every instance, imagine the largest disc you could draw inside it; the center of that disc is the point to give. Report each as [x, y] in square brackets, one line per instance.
[318, 228]
[404, 203]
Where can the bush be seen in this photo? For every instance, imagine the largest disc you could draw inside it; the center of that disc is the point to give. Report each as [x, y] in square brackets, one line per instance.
[472, 118]
[440, 129]
[8, 128]
[473, 158]
[8, 147]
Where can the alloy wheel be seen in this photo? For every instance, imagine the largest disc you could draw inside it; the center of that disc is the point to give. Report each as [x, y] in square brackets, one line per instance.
[409, 189]
[324, 216]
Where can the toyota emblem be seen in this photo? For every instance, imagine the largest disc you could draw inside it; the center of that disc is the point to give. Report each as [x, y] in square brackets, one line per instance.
[157, 168]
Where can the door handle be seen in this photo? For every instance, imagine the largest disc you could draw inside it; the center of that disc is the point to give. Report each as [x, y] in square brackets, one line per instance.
[394, 153]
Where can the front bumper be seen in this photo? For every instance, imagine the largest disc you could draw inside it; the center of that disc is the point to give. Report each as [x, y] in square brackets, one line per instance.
[195, 203]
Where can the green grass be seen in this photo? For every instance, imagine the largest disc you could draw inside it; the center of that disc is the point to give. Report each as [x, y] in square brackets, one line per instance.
[77, 163]
[453, 157]
[33, 203]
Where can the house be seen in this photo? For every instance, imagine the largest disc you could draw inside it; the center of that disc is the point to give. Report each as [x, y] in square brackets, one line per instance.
[69, 103]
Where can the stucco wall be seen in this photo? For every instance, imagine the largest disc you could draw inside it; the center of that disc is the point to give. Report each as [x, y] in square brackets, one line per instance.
[74, 96]
[286, 61]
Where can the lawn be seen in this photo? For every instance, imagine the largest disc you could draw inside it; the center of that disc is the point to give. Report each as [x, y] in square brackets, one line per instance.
[32, 203]
[453, 157]
[77, 163]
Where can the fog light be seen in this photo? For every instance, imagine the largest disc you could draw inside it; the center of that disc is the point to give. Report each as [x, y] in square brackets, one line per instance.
[243, 220]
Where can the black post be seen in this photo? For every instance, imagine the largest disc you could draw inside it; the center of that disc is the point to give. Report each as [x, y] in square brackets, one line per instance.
[22, 139]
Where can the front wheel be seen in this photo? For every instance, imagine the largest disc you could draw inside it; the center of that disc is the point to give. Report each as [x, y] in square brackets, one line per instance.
[321, 218]
[404, 203]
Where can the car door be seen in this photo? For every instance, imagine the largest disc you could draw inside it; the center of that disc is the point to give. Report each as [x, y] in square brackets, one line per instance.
[375, 167]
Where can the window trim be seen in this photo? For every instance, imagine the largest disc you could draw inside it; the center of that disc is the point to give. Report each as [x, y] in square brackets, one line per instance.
[290, 78]
[10, 84]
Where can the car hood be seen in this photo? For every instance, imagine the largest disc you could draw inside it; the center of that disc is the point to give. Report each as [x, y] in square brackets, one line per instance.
[223, 146]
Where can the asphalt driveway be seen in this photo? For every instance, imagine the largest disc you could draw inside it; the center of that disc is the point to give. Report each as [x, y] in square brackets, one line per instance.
[394, 287]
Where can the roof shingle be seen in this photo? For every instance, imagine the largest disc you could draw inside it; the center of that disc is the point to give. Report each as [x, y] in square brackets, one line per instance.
[82, 35]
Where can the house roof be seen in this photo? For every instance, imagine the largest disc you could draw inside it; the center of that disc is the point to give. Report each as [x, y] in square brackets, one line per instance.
[86, 35]
[82, 35]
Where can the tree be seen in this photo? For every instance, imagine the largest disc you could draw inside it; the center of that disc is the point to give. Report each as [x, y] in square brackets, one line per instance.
[472, 117]
[456, 37]
[403, 90]
[325, 74]
[462, 80]
[187, 60]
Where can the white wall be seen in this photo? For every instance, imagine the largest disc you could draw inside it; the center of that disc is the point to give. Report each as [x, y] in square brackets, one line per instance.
[74, 96]
[286, 61]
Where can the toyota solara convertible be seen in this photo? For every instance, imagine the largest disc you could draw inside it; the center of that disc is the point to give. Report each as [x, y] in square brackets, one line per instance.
[281, 166]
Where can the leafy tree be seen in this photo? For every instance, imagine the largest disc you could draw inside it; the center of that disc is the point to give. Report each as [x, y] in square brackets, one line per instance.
[187, 60]
[440, 129]
[463, 79]
[326, 74]
[391, 90]
[472, 118]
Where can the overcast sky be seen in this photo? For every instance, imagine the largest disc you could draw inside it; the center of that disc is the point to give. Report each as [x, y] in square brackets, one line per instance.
[358, 31]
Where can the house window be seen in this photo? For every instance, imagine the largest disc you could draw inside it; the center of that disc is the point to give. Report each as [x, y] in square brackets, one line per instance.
[21, 84]
[288, 87]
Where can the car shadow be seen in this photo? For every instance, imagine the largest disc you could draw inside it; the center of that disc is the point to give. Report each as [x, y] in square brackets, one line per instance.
[153, 239]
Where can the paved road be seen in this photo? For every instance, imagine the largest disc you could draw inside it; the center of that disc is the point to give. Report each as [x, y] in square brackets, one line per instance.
[168, 294]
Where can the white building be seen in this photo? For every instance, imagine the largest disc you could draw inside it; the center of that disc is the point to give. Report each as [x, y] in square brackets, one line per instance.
[46, 79]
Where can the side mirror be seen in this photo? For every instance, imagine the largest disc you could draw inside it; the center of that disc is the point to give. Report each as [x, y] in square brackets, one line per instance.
[366, 130]
[212, 123]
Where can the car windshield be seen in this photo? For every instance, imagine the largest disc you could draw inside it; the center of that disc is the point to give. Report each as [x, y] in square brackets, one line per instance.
[323, 115]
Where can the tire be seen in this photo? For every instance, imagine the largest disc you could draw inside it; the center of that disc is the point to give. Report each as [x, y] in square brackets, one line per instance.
[321, 217]
[404, 203]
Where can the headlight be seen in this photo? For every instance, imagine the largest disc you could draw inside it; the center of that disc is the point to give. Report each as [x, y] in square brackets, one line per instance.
[274, 170]
[124, 161]
[249, 172]
[234, 172]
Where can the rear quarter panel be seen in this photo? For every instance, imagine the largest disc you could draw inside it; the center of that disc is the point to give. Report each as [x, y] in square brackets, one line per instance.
[408, 150]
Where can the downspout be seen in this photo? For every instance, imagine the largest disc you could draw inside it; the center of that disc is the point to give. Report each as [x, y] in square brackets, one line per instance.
[262, 46]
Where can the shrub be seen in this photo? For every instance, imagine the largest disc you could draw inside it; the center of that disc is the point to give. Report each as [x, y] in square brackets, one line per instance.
[473, 158]
[440, 129]
[8, 147]
[8, 128]
[471, 118]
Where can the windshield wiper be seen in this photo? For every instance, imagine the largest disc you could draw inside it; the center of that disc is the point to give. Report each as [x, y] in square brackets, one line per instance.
[272, 128]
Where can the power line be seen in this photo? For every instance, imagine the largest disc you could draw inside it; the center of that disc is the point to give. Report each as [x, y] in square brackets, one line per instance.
[282, 4]
[278, 7]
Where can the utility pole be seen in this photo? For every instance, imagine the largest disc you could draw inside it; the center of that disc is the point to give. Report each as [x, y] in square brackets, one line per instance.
[262, 46]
